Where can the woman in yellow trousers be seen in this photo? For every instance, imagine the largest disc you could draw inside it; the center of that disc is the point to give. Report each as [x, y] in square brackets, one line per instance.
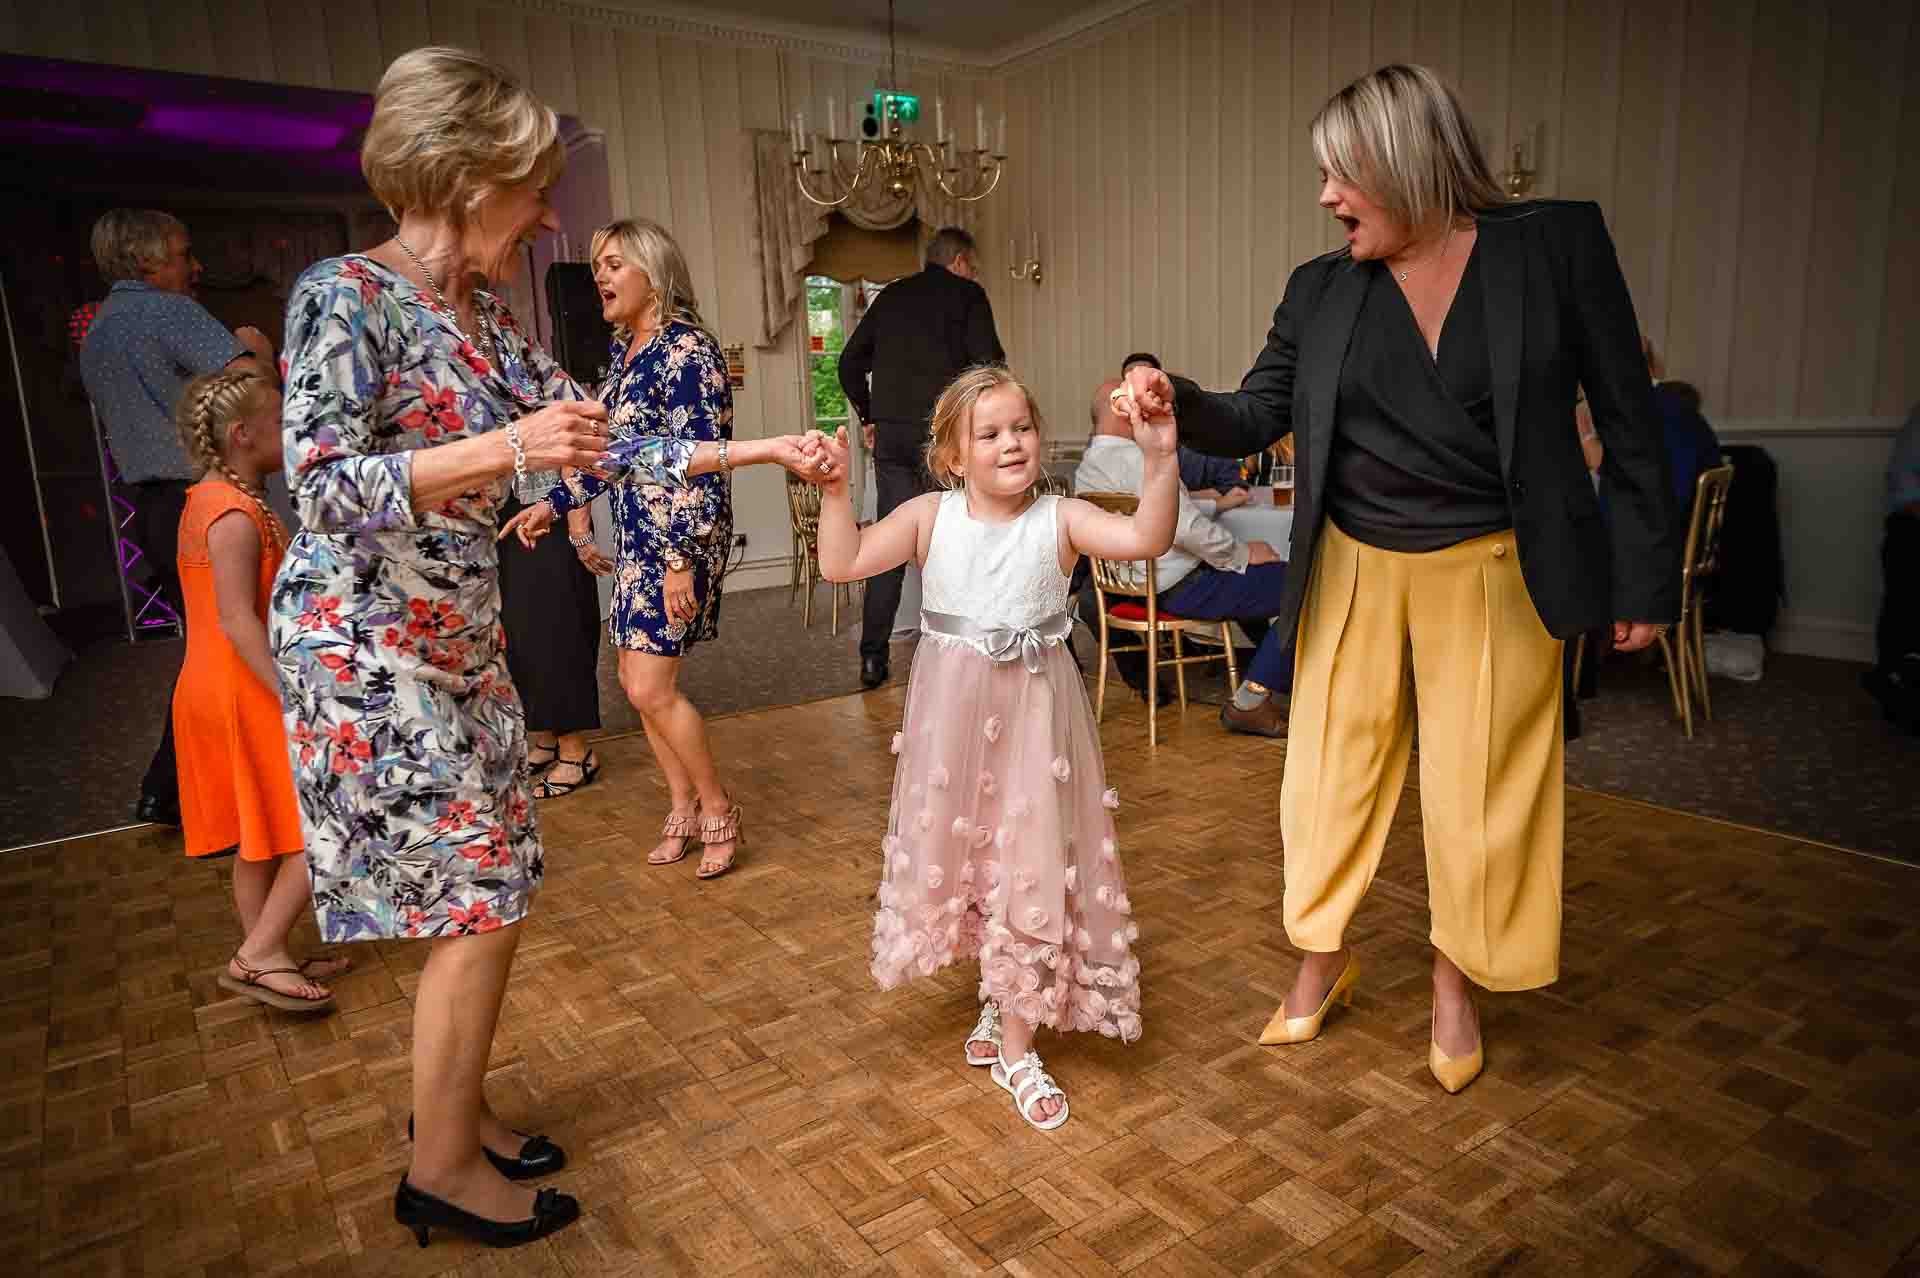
[1446, 537]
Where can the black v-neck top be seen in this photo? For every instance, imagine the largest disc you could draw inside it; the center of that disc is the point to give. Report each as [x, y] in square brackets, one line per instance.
[1415, 465]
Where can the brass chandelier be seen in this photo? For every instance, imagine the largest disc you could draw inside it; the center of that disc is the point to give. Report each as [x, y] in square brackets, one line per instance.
[888, 162]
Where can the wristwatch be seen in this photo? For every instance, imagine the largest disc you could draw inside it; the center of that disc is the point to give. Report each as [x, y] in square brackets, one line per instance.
[581, 539]
[677, 562]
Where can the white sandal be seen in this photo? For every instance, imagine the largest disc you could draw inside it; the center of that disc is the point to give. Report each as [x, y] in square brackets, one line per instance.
[1035, 1087]
[985, 1030]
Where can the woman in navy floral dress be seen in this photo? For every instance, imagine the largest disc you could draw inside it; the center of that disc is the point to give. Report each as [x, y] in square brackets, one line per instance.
[411, 398]
[669, 383]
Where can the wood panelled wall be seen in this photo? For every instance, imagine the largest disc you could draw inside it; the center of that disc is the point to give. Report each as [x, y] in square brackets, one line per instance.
[1758, 160]
[673, 110]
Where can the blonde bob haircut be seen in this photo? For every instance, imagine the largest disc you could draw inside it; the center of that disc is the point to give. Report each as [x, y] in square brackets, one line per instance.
[652, 248]
[953, 418]
[450, 128]
[127, 243]
[1400, 135]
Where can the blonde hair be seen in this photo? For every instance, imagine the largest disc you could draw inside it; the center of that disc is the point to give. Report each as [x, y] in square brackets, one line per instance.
[209, 407]
[127, 243]
[652, 248]
[450, 127]
[953, 417]
[1400, 135]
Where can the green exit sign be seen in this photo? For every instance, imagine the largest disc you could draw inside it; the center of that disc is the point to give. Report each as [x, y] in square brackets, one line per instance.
[904, 107]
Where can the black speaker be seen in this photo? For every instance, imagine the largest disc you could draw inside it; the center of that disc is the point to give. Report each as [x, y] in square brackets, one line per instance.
[580, 336]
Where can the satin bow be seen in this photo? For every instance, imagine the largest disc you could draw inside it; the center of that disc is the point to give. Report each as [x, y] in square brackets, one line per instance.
[1004, 643]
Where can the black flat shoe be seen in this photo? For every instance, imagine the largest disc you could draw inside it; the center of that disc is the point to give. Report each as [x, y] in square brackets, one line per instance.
[423, 1213]
[538, 1157]
[873, 671]
[158, 811]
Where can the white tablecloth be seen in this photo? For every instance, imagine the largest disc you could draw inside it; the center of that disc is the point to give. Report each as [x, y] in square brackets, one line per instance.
[1258, 520]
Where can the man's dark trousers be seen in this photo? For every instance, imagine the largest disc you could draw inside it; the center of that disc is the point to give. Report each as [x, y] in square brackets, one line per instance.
[900, 475]
[158, 506]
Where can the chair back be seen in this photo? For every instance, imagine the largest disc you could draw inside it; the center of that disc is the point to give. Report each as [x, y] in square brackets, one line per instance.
[1703, 526]
[803, 506]
[1119, 576]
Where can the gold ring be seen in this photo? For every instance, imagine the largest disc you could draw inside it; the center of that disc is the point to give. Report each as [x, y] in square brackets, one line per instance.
[1117, 394]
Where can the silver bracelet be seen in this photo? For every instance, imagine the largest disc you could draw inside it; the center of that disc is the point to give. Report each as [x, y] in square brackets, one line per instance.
[582, 540]
[519, 453]
[725, 465]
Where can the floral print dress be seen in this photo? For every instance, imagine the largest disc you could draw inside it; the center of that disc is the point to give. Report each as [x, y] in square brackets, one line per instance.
[674, 388]
[407, 739]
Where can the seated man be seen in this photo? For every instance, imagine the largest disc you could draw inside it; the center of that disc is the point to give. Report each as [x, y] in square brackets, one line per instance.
[1205, 478]
[1895, 681]
[1206, 575]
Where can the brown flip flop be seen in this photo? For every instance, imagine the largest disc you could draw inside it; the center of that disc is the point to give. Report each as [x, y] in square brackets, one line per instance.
[249, 986]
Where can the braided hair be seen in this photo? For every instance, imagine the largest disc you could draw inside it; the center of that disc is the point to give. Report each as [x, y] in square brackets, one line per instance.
[209, 407]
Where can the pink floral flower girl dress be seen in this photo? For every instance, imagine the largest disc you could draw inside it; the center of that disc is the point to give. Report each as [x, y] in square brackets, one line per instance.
[1001, 843]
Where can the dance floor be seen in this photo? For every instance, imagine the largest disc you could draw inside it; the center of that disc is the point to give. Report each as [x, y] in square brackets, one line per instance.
[1726, 1079]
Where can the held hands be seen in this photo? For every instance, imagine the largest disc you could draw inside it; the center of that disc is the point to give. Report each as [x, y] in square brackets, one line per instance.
[1153, 428]
[1232, 499]
[833, 450]
[1151, 389]
[807, 457]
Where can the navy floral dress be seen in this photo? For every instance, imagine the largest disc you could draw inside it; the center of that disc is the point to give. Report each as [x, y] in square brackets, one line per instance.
[675, 388]
[407, 738]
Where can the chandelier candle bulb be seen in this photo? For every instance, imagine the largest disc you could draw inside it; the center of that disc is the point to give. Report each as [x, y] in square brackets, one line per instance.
[939, 120]
[980, 123]
[1002, 148]
[833, 118]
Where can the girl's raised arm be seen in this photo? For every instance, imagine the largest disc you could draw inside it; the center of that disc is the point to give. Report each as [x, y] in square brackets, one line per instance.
[1148, 532]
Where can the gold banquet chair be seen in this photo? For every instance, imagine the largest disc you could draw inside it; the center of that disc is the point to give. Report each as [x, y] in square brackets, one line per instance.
[1685, 647]
[803, 508]
[1121, 580]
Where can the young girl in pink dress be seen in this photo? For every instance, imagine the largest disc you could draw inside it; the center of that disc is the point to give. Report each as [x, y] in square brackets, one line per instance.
[1001, 843]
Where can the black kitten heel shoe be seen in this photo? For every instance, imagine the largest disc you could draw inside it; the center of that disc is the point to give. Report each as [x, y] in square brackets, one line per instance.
[538, 1157]
[423, 1213]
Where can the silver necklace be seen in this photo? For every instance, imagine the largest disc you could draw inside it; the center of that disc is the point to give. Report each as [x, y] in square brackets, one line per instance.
[1397, 273]
[451, 314]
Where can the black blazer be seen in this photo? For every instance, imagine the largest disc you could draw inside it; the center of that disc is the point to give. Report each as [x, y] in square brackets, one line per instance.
[1558, 318]
[918, 334]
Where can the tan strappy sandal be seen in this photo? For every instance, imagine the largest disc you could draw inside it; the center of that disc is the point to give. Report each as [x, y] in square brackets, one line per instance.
[252, 983]
[714, 830]
[684, 828]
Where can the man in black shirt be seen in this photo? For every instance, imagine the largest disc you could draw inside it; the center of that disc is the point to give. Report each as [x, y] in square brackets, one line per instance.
[920, 332]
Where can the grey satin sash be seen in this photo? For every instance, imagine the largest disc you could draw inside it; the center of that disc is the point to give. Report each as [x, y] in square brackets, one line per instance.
[1004, 643]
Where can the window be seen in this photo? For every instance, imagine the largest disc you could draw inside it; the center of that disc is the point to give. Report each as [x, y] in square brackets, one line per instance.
[833, 312]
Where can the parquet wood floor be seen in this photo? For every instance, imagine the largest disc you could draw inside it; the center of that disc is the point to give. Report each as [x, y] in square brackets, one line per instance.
[1726, 1080]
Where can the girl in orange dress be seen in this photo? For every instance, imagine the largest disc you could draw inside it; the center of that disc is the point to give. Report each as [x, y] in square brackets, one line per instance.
[236, 781]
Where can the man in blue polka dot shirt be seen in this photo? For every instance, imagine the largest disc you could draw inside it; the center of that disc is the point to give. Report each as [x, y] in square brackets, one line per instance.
[149, 338]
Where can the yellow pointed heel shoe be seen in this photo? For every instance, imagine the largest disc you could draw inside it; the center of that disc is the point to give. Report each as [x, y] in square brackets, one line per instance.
[1454, 1073]
[1300, 1029]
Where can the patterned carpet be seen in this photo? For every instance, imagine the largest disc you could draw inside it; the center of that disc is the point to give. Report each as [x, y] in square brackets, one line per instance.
[1804, 752]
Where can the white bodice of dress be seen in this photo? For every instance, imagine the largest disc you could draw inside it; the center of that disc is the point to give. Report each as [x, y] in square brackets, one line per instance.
[995, 574]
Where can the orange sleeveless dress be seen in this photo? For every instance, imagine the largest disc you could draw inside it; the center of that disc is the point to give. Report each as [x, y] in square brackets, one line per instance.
[236, 782]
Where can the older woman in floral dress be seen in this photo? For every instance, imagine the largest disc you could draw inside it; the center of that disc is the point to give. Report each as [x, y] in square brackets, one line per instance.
[412, 396]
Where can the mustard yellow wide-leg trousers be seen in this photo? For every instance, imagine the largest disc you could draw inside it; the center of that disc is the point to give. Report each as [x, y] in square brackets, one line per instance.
[1450, 636]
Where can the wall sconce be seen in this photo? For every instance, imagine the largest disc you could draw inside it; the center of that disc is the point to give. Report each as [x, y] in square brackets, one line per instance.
[1518, 179]
[1028, 269]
